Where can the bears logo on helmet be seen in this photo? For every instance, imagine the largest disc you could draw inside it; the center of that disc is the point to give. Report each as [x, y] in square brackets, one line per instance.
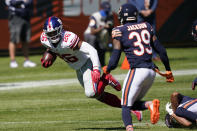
[127, 13]
[53, 29]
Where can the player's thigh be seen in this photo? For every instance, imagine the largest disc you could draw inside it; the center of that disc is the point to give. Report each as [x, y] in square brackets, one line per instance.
[85, 79]
[147, 83]
[133, 86]
[15, 29]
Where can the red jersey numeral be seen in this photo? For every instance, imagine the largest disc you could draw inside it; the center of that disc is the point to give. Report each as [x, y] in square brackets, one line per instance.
[66, 37]
[44, 38]
[69, 58]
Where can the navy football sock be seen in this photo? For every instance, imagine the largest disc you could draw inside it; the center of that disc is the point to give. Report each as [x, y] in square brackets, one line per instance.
[139, 105]
[126, 116]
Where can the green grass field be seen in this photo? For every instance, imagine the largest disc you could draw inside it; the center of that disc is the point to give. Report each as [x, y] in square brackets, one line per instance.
[66, 108]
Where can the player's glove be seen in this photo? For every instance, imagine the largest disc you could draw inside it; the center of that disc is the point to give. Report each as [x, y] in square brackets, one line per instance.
[105, 70]
[194, 83]
[169, 109]
[169, 76]
[96, 75]
[46, 63]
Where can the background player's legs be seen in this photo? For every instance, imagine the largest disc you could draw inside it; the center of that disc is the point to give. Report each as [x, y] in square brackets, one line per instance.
[12, 51]
[25, 48]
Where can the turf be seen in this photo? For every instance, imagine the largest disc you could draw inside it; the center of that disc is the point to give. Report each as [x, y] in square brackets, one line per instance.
[61, 108]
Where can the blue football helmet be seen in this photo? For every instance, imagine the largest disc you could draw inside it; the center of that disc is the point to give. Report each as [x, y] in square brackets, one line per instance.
[194, 30]
[53, 29]
[127, 13]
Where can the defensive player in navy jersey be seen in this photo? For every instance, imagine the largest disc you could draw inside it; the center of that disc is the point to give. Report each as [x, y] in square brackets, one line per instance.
[184, 111]
[137, 41]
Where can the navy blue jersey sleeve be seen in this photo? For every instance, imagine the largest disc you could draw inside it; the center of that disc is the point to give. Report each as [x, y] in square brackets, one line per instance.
[158, 47]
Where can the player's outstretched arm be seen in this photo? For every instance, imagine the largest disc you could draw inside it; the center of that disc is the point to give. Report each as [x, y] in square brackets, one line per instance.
[164, 58]
[88, 49]
[182, 120]
[114, 59]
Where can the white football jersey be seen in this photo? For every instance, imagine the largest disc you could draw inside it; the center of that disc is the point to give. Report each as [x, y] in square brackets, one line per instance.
[75, 58]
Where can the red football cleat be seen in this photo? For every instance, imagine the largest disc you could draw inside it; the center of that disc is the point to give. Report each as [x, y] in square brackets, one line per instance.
[138, 114]
[113, 82]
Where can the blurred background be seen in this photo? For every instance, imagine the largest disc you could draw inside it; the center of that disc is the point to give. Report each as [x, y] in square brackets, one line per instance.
[173, 20]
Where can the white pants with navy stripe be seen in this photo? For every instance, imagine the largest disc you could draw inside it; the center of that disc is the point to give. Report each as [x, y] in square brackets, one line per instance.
[136, 84]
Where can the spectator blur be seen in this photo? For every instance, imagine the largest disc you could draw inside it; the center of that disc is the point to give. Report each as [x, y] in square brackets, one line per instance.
[147, 13]
[99, 30]
[20, 29]
[194, 30]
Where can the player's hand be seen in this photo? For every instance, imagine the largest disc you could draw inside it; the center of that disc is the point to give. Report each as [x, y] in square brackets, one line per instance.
[105, 70]
[46, 63]
[194, 83]
[169, 109]
[96, 75]
[169, 76]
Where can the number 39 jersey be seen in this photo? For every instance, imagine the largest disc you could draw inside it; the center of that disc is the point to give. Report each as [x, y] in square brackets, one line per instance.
[135, 39]
[75, 58]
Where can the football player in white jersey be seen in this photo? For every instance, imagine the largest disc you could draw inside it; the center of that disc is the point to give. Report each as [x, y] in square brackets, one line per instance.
[83, 58]
[182, 111]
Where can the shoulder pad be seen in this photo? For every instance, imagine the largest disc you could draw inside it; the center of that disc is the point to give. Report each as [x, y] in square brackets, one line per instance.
[116, 32]
[70, 39]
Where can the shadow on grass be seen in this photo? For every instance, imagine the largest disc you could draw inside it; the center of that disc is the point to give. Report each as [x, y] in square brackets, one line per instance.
[110, 129]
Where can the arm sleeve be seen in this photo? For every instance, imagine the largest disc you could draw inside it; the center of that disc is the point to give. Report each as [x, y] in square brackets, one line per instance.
[162, 53]
[88, 49]
[113, 62]
[154, 5]
[182, 112]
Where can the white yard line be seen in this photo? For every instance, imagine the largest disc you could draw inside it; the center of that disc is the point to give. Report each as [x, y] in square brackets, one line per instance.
[160, 123]
[74, 81]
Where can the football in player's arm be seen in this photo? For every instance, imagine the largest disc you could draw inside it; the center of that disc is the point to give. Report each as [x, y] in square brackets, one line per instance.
[182, 111]
[80, 56]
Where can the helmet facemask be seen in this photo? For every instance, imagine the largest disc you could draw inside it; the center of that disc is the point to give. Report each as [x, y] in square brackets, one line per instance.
[53, 29]
[54, 35]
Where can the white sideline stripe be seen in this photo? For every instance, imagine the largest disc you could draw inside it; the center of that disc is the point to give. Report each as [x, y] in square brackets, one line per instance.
[160, 123]
[74, 81]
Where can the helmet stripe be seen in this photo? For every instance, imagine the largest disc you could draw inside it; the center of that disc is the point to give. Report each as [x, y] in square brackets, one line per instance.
[49, 23]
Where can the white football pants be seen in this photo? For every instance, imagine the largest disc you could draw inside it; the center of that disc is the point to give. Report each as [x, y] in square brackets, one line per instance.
[85, 78]
[136, 84]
